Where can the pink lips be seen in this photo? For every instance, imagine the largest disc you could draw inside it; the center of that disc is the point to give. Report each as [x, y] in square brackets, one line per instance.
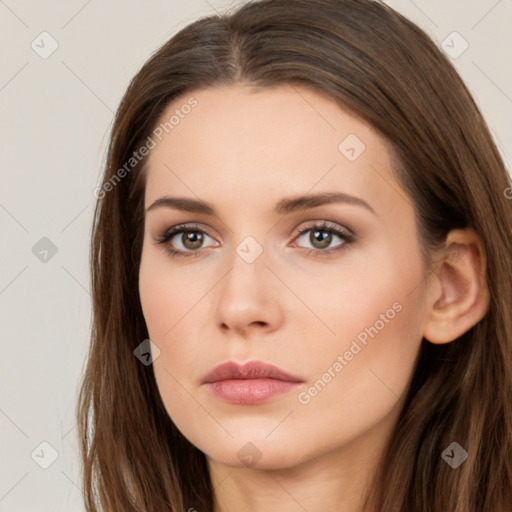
[250, 384]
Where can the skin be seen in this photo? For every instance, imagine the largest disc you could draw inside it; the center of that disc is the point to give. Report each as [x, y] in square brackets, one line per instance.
[294, 309]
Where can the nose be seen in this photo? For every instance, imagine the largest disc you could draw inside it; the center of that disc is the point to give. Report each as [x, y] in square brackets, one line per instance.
[249, 297]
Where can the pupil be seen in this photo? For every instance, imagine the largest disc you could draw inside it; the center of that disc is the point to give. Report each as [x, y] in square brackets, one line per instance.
[324, 239]
[192, 240]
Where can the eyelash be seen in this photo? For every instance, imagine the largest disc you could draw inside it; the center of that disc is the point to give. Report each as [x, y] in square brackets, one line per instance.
[165, 237]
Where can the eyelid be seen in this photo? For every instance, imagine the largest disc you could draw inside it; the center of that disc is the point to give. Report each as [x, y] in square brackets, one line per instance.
[328, 226]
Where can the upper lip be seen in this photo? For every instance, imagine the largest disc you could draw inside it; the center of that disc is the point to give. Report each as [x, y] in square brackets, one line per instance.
[250, 370]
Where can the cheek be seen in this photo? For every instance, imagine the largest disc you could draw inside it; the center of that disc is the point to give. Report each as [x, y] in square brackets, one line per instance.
[369, 331]
[363, 297]
[172, 302]
[166, 299]
[167, 294]
[158, 305]
[359, 379]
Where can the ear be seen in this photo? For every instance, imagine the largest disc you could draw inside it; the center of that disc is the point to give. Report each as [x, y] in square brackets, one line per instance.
[458, 295]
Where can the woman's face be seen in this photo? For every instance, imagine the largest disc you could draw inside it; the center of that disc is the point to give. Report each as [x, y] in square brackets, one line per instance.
[339, 306]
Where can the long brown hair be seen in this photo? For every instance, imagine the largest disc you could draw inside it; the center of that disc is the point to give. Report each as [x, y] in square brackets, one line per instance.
[382, 68]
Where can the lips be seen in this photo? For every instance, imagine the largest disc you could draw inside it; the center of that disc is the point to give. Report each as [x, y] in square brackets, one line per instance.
[250, 370]
[250, 384]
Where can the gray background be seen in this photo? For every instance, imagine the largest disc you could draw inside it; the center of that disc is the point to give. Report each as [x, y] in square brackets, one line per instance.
[55, 117]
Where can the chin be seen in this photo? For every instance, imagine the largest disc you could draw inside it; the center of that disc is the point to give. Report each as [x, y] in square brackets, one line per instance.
[254, 452]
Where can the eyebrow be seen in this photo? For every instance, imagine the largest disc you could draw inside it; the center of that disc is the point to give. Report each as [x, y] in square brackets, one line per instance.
[284, 206]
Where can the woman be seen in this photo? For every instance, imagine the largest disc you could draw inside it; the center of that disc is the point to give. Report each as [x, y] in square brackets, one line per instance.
[231, 366]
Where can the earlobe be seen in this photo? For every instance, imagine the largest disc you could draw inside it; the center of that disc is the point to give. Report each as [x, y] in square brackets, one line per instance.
[458, 295]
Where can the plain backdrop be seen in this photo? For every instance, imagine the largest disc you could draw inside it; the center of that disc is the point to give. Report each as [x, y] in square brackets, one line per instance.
[55, 114]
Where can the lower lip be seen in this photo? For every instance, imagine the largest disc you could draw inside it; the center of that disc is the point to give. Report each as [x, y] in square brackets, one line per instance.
[250, 391]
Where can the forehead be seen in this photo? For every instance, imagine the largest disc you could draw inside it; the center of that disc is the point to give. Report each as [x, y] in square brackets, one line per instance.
[238, 142]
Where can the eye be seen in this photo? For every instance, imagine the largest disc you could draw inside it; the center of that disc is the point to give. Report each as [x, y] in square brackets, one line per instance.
[191, 239]
[321, 236]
